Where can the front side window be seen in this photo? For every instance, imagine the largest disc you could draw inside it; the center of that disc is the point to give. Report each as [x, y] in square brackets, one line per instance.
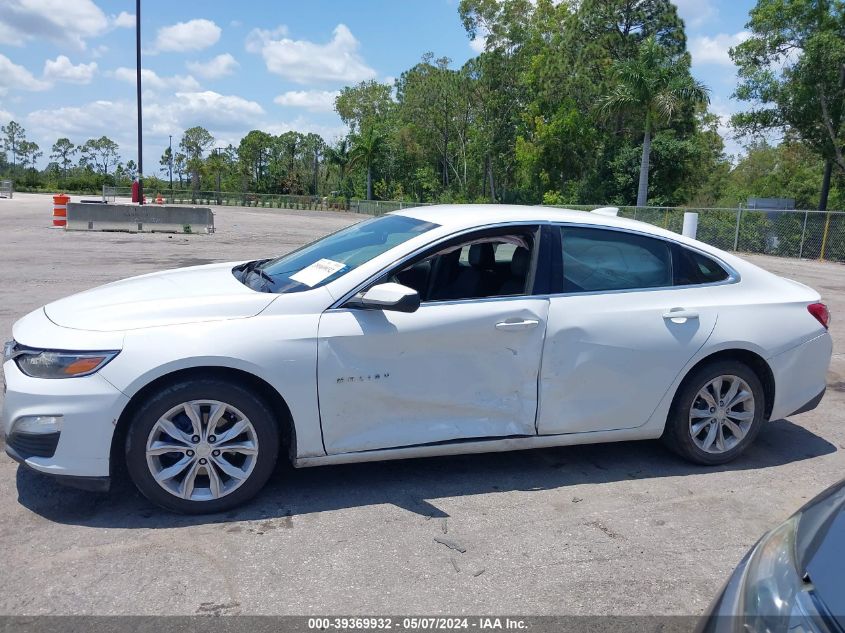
[331, 257]
[597, 260]
[494, 265]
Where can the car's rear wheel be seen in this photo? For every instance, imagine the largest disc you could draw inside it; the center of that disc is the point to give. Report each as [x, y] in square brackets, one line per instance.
[201, 446]
[717, 413]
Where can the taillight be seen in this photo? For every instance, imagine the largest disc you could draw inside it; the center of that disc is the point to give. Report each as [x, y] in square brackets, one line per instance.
[820, 311]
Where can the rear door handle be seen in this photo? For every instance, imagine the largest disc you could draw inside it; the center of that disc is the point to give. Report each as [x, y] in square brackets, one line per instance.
[523, 324]
[680, 315]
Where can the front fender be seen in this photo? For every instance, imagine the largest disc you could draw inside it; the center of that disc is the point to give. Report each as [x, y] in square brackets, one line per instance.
[281, 350]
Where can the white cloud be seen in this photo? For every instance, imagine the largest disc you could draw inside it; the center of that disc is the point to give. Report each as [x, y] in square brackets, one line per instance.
[14, 76]
[207, 108]
[150, 80]
[313, 100]
[68, 22]
[193, 35]
[215, 67]
[307, 62]
[478, 44]
[714, 50]
[61, 69]
[124, 20]
[256, 38]
[695, 12]
[79, 123]
[225, 116]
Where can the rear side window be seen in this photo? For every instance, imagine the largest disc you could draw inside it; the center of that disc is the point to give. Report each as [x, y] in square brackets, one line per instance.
[694, 268]
[598, 259]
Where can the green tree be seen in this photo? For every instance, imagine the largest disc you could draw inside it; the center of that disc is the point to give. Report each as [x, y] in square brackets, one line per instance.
[180, 165]
[366, 149]
[254, 152]
[195, 142]
[364, 103]
[29, 153]
[166, 161]
[13, 135]
[434, 101]
[338, 156]
[62, 152]
[792, 69]
[657, 86]
[131, 170]
[100, 153]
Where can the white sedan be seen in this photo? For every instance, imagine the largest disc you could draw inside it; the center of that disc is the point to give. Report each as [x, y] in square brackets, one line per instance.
[429, 331]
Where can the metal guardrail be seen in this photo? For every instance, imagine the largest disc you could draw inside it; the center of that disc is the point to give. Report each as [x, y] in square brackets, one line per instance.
[804, 233]
[7, 188]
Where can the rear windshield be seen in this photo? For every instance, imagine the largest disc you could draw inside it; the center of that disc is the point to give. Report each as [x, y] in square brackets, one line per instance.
[331, 257]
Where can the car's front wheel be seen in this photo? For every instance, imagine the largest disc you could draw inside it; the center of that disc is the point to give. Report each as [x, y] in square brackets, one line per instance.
[717, 413]
[202, 445]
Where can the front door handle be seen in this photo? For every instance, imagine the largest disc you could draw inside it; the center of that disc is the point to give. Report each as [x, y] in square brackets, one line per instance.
[680, 315]
[522, 324]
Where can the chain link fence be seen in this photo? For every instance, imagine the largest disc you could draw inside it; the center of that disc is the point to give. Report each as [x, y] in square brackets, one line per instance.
[808, 234]
[231, 198]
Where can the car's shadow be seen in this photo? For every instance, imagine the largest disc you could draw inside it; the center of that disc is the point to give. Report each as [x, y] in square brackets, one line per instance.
[415, 484]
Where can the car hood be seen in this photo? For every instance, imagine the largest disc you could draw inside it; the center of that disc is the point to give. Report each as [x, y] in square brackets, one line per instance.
[820, 548]
[184, 295]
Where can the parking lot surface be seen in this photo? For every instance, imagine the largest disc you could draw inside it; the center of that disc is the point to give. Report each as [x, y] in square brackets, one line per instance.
[622, 528]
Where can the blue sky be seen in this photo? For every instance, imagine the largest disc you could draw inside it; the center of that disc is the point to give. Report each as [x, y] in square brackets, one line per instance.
[67, 66]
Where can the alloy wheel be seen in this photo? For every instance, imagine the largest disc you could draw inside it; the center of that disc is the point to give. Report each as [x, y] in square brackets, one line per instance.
[721, 414]
[202, 450]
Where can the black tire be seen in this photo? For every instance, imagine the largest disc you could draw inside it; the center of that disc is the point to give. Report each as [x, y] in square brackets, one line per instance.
[677, 435]
[253, 407]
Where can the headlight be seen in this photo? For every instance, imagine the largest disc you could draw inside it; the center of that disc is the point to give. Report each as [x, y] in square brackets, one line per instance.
[774, 595]
[55, 364]
[8, 348]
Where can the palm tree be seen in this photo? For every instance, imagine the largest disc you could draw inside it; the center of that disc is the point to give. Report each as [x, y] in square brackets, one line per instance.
[366, 147]
[659, 86]
[339, 157]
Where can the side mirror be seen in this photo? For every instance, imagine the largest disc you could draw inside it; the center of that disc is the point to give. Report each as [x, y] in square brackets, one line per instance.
[388, 296]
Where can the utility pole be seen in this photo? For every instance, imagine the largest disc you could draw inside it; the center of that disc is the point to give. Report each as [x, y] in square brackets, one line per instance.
[138, 90]
[170, 161]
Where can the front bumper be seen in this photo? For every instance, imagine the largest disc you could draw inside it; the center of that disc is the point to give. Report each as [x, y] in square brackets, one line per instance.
[90, 407]
[93, 484]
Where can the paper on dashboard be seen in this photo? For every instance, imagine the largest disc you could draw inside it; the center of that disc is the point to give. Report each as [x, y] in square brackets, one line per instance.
[317, 272]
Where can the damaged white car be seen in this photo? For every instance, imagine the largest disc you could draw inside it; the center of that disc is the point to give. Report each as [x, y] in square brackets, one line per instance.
[429, 331]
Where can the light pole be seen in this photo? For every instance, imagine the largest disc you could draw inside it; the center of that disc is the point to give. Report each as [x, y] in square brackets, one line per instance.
[138, 90]
[170, 161]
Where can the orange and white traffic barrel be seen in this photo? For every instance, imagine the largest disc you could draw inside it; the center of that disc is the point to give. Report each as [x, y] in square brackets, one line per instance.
[60, 211]
[159, 199]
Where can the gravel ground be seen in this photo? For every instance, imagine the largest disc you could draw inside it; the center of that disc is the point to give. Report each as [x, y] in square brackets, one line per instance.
[622, 528]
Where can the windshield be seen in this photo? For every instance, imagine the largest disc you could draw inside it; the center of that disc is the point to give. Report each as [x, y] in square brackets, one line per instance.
[331, 257]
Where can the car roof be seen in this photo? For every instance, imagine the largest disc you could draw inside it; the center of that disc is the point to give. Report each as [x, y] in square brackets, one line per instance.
[461, 216]
[456, 217]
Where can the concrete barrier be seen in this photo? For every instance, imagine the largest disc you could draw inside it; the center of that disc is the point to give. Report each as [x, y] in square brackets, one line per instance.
[133, 218]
